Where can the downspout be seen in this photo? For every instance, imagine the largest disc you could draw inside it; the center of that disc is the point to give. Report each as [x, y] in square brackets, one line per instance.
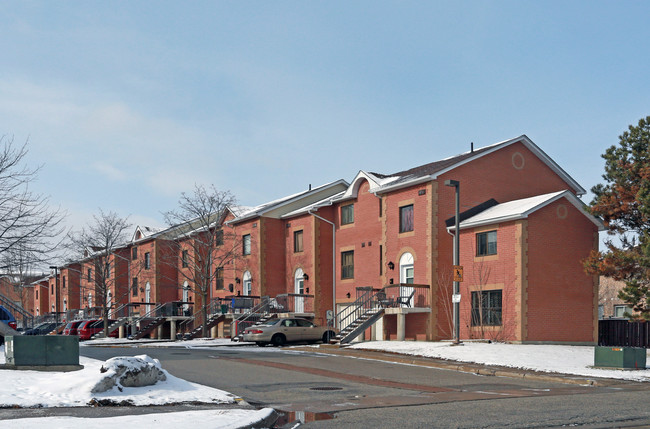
[333, 264]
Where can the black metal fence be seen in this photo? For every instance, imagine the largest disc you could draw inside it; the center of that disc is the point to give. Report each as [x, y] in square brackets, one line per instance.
[623, 333]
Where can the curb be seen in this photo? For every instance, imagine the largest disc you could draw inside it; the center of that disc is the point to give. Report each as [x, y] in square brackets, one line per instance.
[485, 370]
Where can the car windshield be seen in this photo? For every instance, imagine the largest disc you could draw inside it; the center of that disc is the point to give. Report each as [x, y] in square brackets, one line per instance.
[272, 322]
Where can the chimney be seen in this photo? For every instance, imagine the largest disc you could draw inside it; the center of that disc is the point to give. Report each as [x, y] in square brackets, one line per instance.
[310, 186]
[472, 147]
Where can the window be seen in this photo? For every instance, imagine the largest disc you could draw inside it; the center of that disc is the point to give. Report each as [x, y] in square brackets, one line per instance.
[486, 243]
[219, 237]
[486, 308]
[297, 241]
[52, 289]
[406, 218]
[347, 214]
[134, 253]
[246, 244]
[63, 282]
[36, 293]
[184, 259]
[134, 287]
[347, 265]
[218, 273]
[620, 310]
[147, 261]
[90, 274]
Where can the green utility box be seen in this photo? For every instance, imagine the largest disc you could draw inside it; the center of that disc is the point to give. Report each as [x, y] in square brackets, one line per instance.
[42, 350]
[620, 357]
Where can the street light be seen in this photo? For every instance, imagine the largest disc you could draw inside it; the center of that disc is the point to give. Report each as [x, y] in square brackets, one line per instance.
[456, 184]
[56, 287]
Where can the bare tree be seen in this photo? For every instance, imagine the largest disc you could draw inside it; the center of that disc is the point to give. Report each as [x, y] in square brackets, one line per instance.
[445, 290]
[98, 243]
[27, 223]
[201, 245]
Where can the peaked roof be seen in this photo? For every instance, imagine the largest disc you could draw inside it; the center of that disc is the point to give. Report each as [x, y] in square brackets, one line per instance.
[521, 209]
[427, 172]
[290, 203]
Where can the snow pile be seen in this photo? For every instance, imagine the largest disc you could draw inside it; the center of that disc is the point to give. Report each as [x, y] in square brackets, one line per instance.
[572, 360]
[74, 389]
[137, 371]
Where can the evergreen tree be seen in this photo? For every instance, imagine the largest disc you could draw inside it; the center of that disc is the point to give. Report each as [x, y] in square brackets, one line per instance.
[623, 202]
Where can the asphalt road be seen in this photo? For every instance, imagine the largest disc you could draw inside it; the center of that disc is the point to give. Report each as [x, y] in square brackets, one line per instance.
[349, 392]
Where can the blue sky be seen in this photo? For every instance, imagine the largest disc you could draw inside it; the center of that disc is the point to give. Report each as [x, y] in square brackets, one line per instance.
[127, 104]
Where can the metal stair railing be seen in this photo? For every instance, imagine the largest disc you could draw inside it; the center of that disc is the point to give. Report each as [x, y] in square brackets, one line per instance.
[28, 318]
[354, 310]
[244, 320]
[152, 314]
[214, 307]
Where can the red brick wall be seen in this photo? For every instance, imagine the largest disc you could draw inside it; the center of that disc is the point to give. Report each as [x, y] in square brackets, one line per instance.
[493, 176]
[364, 238]
[560, 295]
[41, 298]
[72, 276]
[493, 272]
[273, 264]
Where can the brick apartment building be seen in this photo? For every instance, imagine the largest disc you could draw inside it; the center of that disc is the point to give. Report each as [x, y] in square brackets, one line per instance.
[523, 235]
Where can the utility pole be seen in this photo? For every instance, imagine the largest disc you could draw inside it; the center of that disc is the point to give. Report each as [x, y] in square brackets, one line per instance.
[455, 298]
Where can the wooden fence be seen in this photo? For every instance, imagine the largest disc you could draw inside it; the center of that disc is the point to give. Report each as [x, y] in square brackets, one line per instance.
[623, 333]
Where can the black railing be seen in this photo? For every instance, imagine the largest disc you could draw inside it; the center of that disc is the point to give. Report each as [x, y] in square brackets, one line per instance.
[406, 295]
[623, 333]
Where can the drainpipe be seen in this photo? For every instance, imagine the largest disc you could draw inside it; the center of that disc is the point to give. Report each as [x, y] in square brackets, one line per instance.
[333, 264]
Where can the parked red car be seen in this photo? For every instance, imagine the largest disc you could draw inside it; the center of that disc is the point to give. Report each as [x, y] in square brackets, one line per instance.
[72, 327]
[92, 327]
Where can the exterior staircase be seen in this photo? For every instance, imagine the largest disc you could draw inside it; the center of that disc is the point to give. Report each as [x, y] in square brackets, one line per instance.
[17, 309]
[213, 320]
[359, 315]
[112, 327]
[149, 325]
[358, 326]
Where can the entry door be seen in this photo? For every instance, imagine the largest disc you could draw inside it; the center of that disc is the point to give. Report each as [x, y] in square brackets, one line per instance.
[299, 288]
[406, 276]
[147, 297]
[186, 296]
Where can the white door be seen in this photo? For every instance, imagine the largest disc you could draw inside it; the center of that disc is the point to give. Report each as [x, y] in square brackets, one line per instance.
[248, 284]
[186, 296]
[147, 297]
[406, 275]
[299, 288]
[109, 302]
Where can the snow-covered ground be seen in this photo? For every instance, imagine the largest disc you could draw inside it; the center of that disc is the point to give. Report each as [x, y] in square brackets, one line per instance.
[57, 389]
[573, 360]
[73, 389]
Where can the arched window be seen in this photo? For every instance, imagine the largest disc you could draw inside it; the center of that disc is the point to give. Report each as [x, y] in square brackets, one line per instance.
[247, 280]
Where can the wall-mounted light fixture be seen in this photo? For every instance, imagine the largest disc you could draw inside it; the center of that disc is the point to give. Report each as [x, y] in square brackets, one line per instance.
[141, 290]
[237, 280]
[390, 281]
[391, 266]
[306, 290]
[231, 287]
[348, 294]
[305, 276]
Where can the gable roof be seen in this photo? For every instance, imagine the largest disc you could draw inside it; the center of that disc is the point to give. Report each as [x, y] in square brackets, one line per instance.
[427, 172]
[521, 209]
[290, 203]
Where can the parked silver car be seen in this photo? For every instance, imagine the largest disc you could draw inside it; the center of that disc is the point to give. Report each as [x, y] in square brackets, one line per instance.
[287, 330]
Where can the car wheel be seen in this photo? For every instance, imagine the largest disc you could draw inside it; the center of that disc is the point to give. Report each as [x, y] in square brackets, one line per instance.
[327, 336]
[278, 340]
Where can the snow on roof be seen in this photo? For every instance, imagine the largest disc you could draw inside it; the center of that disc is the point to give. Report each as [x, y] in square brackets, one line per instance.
[322, 203]
[521, 209]
[275, 204]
